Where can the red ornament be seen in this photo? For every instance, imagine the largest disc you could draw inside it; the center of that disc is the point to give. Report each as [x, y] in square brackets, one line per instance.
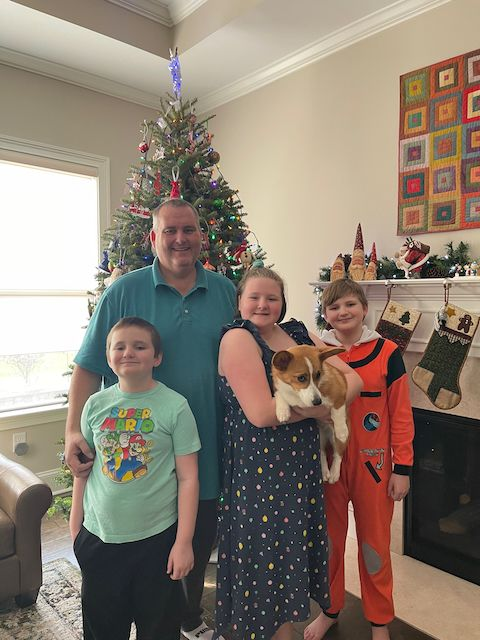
[207, 265]
[157, 184]
[143, 146]
[175, 192]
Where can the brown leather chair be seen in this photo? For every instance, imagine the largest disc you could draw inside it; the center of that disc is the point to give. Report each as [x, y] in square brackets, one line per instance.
[24, 499]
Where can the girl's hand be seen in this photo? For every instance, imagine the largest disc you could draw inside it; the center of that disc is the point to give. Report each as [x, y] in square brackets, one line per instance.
[320, 412]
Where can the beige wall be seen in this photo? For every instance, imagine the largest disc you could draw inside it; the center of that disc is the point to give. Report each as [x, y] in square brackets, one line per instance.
[41, 456]
[315, 153]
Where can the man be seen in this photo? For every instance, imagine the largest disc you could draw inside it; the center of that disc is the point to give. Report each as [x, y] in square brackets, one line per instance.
[188, 305]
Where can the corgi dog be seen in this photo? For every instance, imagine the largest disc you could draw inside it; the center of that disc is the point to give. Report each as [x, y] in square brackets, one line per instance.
[302, 378]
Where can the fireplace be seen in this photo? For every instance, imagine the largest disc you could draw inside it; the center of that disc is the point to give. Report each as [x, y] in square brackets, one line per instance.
[442, 512]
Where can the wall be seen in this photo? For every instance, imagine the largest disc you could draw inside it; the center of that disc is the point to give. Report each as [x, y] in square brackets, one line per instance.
[40, 109]
[316, 152]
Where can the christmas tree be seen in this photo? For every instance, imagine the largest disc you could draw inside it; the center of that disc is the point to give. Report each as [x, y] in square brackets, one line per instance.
[177, 160]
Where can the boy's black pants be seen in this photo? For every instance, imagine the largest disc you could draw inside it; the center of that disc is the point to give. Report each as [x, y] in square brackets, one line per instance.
[128, 582]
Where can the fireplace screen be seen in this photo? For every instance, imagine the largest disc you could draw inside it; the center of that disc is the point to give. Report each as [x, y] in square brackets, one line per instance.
[442, 512]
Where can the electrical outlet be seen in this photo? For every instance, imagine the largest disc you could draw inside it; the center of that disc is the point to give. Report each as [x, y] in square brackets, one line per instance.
[19, 438]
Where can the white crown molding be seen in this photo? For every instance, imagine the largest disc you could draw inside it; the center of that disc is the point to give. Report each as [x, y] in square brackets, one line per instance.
[345, 37]
[181, 9]
[383, 19]
[78, 78]
[166, 14]
[151, 9]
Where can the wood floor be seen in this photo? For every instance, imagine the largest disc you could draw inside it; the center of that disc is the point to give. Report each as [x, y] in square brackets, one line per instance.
[56, 543]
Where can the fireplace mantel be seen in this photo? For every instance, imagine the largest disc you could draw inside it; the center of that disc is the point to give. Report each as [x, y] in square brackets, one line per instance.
[425, 295]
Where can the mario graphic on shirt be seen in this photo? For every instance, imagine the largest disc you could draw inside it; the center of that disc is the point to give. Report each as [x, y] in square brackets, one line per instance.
[125, 451]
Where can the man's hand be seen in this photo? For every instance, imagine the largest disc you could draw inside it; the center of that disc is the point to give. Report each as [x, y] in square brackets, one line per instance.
[180, 561]
[78, 455]
[398, 486]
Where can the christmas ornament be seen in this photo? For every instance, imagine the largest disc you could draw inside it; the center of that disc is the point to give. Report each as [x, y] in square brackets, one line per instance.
[214, 157]
[116, 273]
[103, 266]
[411, 256]
[162, 123]
[438, 372]
[356, 269]
[157, 184]
[397, 323]
[338, 269]
[175, 192]
[139, 211]
[371, 271]
[159, 154]
[174, 67]
[208, 266]
[144, 146]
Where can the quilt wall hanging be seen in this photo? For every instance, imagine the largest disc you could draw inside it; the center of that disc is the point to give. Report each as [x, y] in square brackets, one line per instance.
[439, 147]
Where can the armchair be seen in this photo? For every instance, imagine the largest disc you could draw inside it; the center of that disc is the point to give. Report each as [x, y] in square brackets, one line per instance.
[24, 499]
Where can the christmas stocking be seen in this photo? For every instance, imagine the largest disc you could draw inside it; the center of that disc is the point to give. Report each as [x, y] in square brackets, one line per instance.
[397, 323]
[438, 372]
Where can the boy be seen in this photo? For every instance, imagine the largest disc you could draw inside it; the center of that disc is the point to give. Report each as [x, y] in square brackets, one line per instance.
[130, 548]
[381, 435]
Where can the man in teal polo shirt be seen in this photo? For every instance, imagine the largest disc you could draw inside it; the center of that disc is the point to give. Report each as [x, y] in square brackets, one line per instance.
[188, 305]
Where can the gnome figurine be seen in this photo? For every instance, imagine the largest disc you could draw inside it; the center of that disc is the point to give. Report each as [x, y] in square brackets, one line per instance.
[371, 272]
[356, 269]
[338, 269]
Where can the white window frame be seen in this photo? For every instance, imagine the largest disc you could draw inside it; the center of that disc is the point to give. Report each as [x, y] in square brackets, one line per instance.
[42, 415]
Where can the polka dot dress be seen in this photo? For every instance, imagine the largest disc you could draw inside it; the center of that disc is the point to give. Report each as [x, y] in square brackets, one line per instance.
[273, 536]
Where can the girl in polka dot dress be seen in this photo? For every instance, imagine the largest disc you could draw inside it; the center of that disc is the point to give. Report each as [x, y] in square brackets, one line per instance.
[273, 539]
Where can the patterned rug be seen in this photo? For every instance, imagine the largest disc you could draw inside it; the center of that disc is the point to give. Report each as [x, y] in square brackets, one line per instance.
[57, 613]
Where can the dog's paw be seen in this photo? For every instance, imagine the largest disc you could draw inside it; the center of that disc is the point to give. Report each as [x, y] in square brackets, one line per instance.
[283, 414]
[326, 475]
[335, 470]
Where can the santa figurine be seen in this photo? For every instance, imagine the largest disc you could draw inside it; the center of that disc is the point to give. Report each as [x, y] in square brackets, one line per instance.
[411, 257]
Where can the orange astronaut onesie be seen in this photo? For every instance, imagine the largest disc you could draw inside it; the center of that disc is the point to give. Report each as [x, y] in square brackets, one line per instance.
[381, 435]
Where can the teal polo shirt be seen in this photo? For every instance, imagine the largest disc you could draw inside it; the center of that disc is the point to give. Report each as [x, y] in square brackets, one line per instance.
[190, 330]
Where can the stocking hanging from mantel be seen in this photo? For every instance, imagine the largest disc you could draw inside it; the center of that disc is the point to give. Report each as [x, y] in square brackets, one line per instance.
[438, 372]
[397, 323]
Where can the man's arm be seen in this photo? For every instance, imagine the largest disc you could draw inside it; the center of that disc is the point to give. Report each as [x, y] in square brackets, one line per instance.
[82, 385]
[76, 512]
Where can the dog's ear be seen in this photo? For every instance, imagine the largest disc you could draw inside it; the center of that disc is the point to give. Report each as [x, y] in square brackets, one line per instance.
[328, 352]
[281, 360]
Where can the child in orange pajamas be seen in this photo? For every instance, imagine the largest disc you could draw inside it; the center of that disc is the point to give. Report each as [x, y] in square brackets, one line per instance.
[377, 462]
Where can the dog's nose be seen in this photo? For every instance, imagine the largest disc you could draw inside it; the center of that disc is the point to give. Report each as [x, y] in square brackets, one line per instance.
[317, 401]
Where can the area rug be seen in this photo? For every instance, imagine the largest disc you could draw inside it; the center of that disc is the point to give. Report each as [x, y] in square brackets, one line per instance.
[57, 612]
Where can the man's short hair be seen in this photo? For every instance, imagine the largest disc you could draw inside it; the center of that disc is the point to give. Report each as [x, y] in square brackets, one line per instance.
[134, 321]
[340, 288]
[177, 203]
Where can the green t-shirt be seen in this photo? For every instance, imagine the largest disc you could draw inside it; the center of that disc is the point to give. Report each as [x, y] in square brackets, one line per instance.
[131, 492]
[190, 328]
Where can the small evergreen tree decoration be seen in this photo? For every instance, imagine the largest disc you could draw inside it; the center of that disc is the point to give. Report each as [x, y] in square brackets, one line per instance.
[177, 159]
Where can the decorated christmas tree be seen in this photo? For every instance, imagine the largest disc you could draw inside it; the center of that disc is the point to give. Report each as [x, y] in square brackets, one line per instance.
[177, 159]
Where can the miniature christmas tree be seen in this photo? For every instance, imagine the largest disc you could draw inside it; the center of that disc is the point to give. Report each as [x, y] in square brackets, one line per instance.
[177, 160]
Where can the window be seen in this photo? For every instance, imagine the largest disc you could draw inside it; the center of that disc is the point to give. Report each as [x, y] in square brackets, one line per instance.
[50, 236]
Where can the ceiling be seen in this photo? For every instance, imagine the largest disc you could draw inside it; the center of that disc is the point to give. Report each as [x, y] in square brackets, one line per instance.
[231, 49]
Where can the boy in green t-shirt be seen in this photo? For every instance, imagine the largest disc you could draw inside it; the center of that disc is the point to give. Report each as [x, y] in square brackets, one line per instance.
[133, 518]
